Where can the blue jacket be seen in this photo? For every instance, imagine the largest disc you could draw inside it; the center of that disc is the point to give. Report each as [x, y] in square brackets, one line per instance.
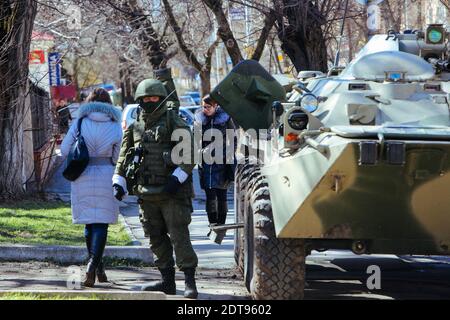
[215, 175]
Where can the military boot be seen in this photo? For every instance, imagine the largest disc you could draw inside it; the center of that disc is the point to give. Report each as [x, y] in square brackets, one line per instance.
[190, 290]
[166, 285]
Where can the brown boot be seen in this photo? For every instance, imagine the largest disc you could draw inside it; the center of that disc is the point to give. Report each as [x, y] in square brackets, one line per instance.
[90, 279]
[90, 274]
[101, 274]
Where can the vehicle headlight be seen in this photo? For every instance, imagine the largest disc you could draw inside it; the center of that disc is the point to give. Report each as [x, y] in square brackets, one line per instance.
[298, 120]
[309, 102]
[435, 34]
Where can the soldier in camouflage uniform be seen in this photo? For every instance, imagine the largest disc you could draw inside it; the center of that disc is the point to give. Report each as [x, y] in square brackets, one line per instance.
[164, 190]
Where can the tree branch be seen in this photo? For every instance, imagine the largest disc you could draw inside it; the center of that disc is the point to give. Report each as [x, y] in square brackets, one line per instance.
[179, 35]
[269, 22]
[224, 30]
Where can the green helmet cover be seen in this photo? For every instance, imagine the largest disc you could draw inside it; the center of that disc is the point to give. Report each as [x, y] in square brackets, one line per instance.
[150, 87]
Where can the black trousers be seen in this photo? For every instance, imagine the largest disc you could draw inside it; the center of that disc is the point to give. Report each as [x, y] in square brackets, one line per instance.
[216, 205]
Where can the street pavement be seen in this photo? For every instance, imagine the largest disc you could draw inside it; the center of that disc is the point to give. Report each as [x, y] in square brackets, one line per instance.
[334, 274]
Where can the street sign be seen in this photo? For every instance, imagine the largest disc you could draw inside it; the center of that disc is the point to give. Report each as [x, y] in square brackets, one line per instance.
[54, 68]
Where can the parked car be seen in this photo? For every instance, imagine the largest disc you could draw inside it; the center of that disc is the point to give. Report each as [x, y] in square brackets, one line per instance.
[186, 101]
[192, 109]
[129, 115]
[195, 95]
[187, 116]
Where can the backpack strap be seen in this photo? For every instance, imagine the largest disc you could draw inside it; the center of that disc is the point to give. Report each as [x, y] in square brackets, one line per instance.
[79, 126]
[170, 119]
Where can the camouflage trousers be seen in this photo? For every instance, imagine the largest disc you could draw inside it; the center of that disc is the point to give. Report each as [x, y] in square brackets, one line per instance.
[166, 222]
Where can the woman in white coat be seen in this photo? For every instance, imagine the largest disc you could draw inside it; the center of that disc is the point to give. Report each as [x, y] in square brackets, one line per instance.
[93, 203]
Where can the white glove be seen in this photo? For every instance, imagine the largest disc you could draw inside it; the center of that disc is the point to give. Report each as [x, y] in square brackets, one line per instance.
[180, 174]
[117, 179]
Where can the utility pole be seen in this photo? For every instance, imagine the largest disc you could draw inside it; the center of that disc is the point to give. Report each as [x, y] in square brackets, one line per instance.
[405, 9]
[247, 28]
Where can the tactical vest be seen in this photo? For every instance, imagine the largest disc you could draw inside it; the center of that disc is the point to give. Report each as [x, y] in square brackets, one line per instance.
[156, 166]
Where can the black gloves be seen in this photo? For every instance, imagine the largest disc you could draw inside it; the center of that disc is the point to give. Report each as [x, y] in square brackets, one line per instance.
[118, 192]
[173, 185]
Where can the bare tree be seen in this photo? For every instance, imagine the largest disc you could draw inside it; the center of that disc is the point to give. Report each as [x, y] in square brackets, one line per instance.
[15, 37]
[392, 13]
[226, 34]
[203, 67]
[138, 17]
[300, 25]
[224, 30]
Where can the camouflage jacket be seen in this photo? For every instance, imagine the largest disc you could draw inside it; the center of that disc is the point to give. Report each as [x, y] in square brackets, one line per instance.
[145, 155]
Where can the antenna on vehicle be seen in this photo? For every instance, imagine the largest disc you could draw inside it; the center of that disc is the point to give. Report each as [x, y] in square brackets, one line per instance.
[336, 58]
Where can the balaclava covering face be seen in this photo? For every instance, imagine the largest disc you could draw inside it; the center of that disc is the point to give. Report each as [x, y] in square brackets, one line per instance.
[152, 111]
[149, 107]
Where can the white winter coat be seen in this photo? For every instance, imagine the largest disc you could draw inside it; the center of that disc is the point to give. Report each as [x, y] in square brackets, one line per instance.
[92, 193]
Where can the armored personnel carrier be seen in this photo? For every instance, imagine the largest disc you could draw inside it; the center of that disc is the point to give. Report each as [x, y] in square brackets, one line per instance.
[357, 161]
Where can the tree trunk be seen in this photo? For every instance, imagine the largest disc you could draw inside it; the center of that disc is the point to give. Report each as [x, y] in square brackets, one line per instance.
[350, 41]
[299, 25]
[275, 55]
[224, 31]
[205, 82]
[149, 39]
[269, 21]
[15, 36]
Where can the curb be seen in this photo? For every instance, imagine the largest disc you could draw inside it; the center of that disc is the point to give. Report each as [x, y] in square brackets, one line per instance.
[103, 295]
[134, 240]
[71, 254]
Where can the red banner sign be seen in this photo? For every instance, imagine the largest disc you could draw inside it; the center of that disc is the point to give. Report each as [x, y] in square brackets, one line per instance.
[37, 57]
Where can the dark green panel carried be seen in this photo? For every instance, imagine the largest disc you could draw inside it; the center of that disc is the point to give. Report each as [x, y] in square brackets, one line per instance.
[247, 94]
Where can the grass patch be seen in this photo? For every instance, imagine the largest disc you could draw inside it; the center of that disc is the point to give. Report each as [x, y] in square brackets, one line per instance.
[48, 223]
[33, 296]
[113, 262]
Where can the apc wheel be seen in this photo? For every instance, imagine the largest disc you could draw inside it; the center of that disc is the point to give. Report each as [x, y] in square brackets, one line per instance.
[275, 268]
[242, 174]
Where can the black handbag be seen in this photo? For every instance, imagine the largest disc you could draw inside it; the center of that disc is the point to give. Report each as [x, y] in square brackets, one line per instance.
[78, 158]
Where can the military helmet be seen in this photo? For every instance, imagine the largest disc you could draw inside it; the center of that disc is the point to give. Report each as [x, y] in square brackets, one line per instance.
[150, 87]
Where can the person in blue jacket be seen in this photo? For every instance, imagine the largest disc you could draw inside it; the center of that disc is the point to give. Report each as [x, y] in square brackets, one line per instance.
[215, 177]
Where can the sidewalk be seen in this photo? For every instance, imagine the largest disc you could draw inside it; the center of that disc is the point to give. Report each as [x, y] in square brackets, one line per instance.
[210, 254]
[211, 284]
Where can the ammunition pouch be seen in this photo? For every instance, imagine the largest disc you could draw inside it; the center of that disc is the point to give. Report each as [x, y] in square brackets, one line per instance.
[131, 171]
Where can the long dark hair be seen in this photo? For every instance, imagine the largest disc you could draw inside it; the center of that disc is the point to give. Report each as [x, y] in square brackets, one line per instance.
[99, 95]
